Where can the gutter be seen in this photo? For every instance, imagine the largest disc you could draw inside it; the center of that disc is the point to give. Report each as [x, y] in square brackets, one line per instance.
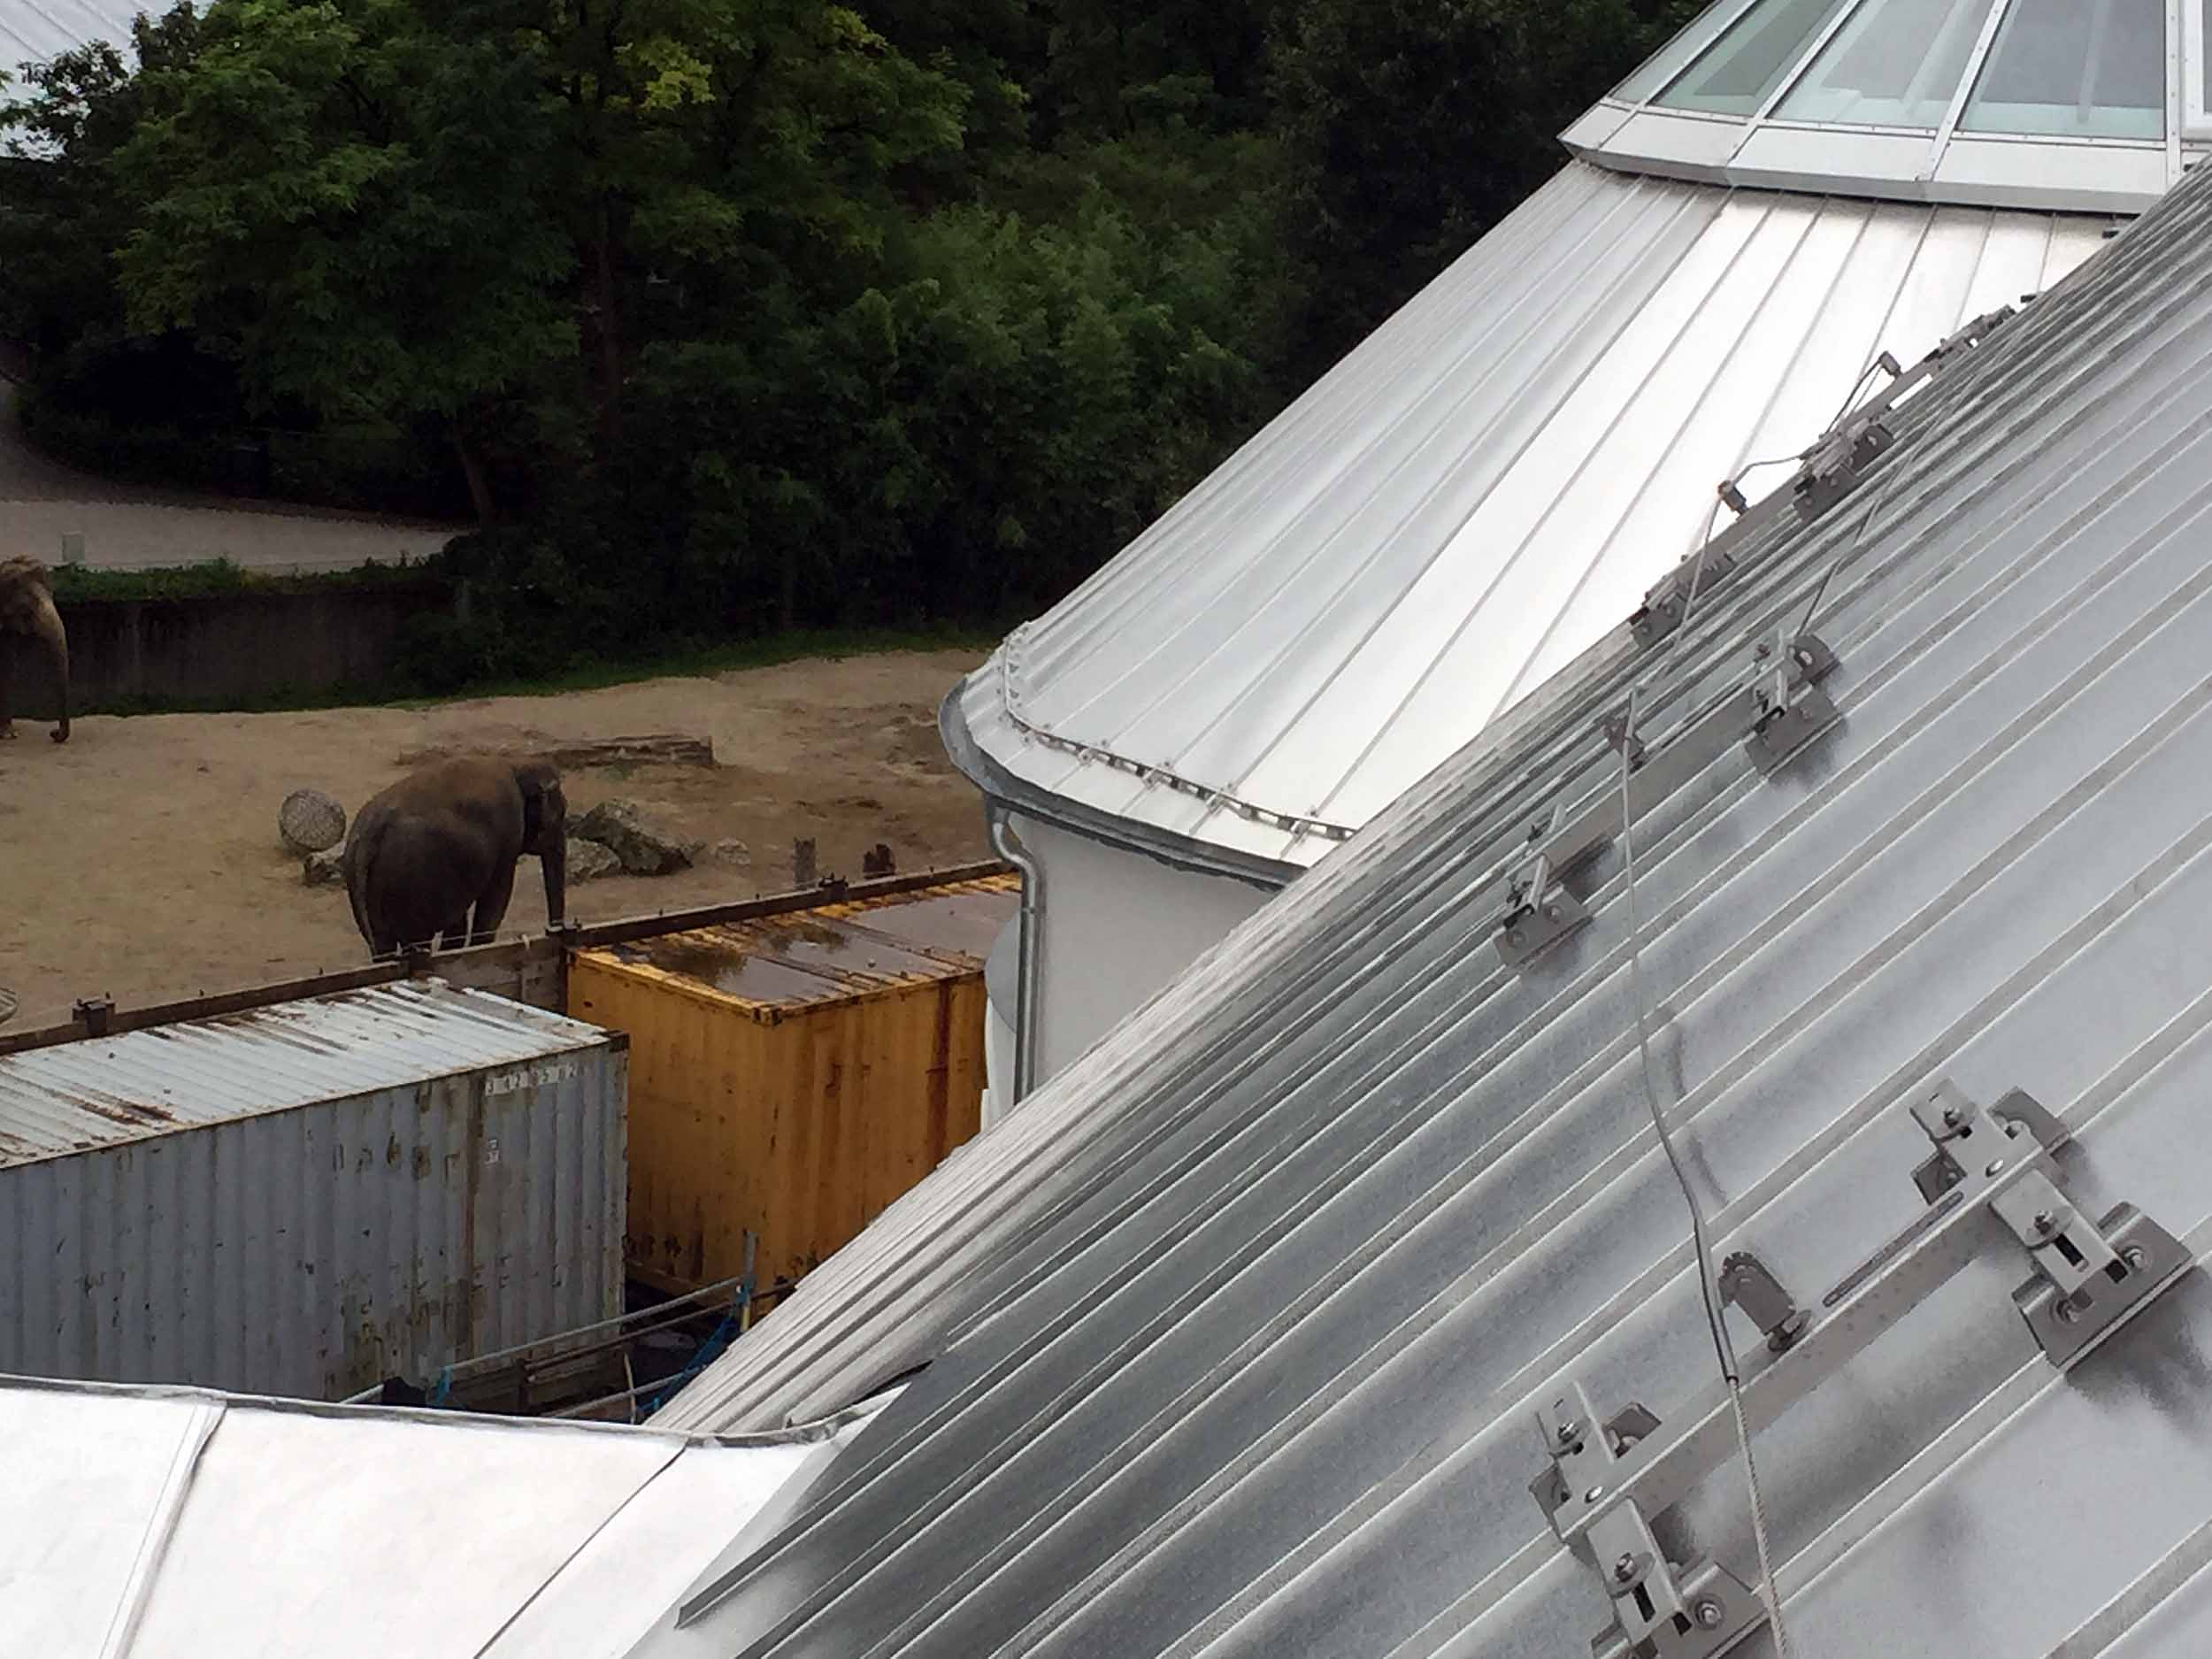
[998, 816]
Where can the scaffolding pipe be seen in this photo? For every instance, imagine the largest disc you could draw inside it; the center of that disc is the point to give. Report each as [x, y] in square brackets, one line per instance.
[1029, 944]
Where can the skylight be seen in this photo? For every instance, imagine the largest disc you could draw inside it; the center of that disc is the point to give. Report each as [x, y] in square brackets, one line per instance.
[2087, 68]
[1896, 63]
[2063, 104]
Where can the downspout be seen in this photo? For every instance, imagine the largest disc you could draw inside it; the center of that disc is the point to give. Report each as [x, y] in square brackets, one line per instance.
[1008, 846]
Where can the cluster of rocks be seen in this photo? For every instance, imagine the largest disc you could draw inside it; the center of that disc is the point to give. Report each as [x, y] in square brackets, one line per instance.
[618, 838]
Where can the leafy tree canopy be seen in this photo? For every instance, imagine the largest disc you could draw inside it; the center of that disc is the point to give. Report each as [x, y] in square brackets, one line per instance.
[735, 314]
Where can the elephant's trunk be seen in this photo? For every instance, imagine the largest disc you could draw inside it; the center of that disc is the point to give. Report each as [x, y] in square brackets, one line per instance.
[48, 626]
[553, 858]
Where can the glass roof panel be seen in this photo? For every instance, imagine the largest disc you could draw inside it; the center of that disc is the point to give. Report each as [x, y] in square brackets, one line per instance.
[1691, 39]
[2075, 68]
[1748, 62]
[1897, 63]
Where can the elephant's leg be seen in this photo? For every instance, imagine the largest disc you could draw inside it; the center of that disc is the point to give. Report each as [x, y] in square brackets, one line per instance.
[491, 903]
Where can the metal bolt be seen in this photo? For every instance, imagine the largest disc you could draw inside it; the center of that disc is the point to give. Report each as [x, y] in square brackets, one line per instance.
[1708, 1613]
[2134, 1257]
[2043, 1223]
[2062, 1309]
[1594, 1494]
[1951, 1117]
[1996, 1167]
[1551, 912]
[1512, 935]
[1624, 1569]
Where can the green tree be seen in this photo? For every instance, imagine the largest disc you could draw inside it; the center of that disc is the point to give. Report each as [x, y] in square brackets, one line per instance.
[1414, 125]
[350, 205]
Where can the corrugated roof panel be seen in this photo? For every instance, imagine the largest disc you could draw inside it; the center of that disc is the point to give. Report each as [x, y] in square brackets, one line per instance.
[1233, 1334]
[1467, 502]
[107, 1090]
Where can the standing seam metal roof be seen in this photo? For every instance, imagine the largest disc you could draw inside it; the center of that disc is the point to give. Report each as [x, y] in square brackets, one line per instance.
[1466, 503]
[1234, 1329]
[33, 31]
[107, 1090]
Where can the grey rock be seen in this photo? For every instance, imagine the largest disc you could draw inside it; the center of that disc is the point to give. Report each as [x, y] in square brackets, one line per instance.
[731, 854]
[588, 861]
[323, 869]
[623, 829]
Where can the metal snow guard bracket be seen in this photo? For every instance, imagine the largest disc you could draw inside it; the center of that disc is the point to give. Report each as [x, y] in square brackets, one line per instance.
[1609, 1480]
[1773, 716]
[1833, 463]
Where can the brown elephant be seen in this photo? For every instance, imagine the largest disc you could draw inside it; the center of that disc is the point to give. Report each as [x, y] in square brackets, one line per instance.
[27, 608]
[443, 843]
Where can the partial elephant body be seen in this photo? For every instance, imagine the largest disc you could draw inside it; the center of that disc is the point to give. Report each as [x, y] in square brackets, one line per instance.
[26, 611]
[432, 857]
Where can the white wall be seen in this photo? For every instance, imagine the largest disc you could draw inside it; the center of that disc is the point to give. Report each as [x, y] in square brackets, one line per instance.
[1117, 925]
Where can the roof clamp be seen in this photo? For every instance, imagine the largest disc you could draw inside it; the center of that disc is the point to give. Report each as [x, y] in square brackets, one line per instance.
[1775, 716]
[1834, 464]
[1792, 710]
[1662, 1609]
[2089, 1279]
[1747, 1282]
[1666, 600]
[1603, 1487]
[1540, 913]
[1834, 461]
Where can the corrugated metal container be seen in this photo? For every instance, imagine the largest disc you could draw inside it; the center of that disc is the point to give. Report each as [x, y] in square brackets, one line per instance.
[791, 1076]
[305, 1199]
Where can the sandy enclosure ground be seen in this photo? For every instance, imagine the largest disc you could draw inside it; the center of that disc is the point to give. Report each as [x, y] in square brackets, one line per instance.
[141, 859]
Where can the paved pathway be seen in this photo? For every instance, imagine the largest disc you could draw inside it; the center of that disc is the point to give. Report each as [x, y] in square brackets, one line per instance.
[128, 527]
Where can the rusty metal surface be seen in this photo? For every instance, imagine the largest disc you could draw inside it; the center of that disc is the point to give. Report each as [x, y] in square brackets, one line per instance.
[833, 952]
[530, 969]
[306, 1198]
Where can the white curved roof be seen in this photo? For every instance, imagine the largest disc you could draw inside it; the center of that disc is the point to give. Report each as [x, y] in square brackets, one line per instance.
[32, 31]
[1466, 503]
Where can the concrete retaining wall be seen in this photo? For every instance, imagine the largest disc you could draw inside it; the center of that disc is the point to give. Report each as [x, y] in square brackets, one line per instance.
[224, 649]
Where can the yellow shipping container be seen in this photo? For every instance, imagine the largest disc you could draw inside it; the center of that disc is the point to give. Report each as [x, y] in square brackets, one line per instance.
[791, 1076]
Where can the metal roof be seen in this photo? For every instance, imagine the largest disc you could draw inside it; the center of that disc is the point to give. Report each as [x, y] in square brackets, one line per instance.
[834, 952]
[198, 1525]
[32, 31]
[2044, 104]
[103, 1091]
[1233, 1333]
[1464, 504]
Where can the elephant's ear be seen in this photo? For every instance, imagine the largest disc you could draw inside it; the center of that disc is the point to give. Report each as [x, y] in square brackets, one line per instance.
[543, 807]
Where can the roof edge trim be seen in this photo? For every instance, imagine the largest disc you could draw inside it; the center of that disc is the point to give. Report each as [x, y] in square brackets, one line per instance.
[1187, 853]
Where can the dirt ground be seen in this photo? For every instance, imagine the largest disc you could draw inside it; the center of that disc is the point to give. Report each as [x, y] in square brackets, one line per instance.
[141, 859]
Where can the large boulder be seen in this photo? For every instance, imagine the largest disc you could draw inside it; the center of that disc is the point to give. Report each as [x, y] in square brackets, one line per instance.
[588, 861]
[623, 829]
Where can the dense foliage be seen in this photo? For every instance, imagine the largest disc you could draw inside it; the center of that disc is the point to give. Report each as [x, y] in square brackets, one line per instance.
[722, 316]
